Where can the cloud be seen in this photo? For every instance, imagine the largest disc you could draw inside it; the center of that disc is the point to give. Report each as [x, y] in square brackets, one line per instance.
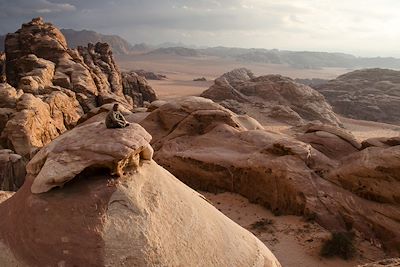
[32, 7]
[356, 26]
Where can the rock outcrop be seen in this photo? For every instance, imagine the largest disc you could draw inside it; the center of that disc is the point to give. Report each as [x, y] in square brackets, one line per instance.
[38, 121]
[137, 88]
[210, 148]
[369, 94]
[143, 216]
[270, 98]
[4, 195]
[12, 170]
[332, 141]
[48, 87]
[2, 67]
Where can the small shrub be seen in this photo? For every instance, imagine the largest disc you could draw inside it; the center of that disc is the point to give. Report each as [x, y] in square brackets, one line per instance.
[262, 224]
[341, 245]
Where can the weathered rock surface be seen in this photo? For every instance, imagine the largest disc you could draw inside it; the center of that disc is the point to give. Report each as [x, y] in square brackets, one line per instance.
[209, 148]
[2, 67]
[118, 150]
[373, 173]
[369, 94]
[8, 96]
[332, 141]
[395, 262]
[381, 142]
[145, 217]
[137, 88]
[270, 97]
[12, 170]
[39, 121]
[4, 195]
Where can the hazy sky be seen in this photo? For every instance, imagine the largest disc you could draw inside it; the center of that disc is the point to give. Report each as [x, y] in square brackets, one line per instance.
[360, 27]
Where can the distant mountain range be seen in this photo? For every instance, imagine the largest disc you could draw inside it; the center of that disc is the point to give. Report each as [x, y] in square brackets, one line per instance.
[296, 59]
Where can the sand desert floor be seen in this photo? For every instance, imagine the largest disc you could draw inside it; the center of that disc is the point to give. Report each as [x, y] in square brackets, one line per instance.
[294, 241]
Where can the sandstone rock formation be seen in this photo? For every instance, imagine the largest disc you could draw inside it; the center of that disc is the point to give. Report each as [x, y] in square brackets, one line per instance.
[12, 170]
[50, 87]
[37, 56]
[210, 148]
[39, 121]
[270, 98]
[2, 67]
[332, 141]
[369, 94]
[137, 88]
[4, 195]
[119, 149]
[381, 142]
[144, 217]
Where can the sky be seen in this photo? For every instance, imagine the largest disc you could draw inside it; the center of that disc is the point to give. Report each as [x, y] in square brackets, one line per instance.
[359, 27]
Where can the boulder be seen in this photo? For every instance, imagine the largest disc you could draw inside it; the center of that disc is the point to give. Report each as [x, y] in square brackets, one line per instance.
[12, 170]
[39, 121]
[8, 96]
[119, 149]
[137, 88]
[332, 141]
[270, 98]
[142, 217]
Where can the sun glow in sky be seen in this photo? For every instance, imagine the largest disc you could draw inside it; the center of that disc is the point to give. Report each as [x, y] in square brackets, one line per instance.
[365, 28]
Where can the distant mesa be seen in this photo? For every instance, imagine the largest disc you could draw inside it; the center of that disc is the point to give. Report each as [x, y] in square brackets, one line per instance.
[175, 51]
[368, 94]
[270, 98]
[202, 79]
[150, 75]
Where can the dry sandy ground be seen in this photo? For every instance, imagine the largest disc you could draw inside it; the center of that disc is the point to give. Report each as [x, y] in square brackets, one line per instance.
[294, 241]
[181, 71]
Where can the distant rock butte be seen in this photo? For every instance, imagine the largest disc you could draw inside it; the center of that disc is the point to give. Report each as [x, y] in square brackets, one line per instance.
[270, 98]
[143, 216]
[369, 94]
[81, 38]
